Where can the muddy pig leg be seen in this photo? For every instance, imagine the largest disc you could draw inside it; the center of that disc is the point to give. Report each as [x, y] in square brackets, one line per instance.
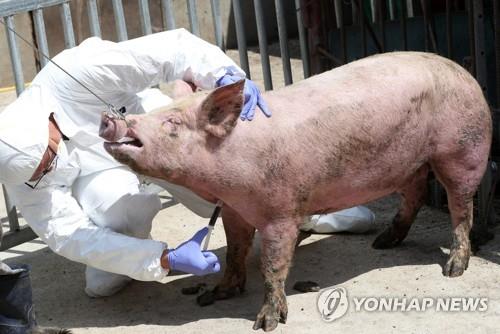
[239, 235]
[277, 248]
[412, 198]
[460, 177]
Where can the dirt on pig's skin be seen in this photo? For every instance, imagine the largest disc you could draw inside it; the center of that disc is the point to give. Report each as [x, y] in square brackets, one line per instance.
[345, 137]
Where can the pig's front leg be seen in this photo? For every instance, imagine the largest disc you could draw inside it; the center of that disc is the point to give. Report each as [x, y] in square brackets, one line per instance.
[277, 248]
[239, 235]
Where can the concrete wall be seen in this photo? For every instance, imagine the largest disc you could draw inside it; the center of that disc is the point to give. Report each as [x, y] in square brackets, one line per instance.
[80, 21]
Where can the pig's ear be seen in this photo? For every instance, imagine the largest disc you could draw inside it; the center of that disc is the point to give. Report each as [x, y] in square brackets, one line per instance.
[221, 108]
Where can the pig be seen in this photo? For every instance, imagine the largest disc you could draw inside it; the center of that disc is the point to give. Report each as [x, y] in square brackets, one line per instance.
[345, 137]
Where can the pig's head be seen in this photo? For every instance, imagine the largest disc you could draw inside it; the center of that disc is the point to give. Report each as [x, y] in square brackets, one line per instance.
[168, 142]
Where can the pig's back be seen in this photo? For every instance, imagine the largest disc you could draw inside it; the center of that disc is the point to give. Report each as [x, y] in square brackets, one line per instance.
[368, 124]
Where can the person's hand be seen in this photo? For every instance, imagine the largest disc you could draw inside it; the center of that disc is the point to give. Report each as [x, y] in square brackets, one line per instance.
[189, 258]
[253, 98]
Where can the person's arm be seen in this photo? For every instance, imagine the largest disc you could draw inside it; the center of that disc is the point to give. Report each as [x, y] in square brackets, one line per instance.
[55, 216]
[178, 54]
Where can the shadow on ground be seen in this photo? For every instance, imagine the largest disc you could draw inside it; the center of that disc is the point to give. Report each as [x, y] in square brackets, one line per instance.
[327, 260]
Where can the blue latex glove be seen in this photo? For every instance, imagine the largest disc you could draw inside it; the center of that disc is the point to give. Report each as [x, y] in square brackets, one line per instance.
[189, 258]
[252, 96]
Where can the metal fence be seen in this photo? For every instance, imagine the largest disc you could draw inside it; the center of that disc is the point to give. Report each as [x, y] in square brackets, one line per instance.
[9, 8]
[466, 31]
[330, 33]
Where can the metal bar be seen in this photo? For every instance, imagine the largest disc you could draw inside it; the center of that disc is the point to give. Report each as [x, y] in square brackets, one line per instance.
[481, 72]
[145, 17]
[409, 8]
[168, 14]
[193, 17]
[404, 34]
[69, 34]
[392, 12]
[362, 22]
[41, 36]
[240, 37]
[95, 29]
[217, 18]
[423, 3]
[262, 35]
[381, 18]
[304, 50]
[449, 32]
[283, 37]
[339, 13]
[121, 26]
[328, 55]
[15, 56]
[372, 34]
[469, 4]
[10, 7]
[496, 18]
[11, 239]
[11, 212]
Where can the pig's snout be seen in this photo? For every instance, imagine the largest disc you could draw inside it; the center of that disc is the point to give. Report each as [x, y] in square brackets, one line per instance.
[112, 129]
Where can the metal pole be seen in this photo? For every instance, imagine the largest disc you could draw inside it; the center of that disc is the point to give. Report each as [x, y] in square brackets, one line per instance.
[219, 34]
[403, 26]
[477, 11]
[95, 29]
[283, 37]
[339, 14]
[121, 26]
[168, 14]
[304, 50]
[193, 17]
[362, 22]
[15, 56]
[449, 32]
[262, 35]
[69, 34]
[11, 212]
[496, 18]
[241, 37]
[381, 18]
[145, 17]
[41, 36]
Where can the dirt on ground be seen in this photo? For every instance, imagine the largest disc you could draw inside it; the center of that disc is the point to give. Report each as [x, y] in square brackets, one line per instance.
[412, 270]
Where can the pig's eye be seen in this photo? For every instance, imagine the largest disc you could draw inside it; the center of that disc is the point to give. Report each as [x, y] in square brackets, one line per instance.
[171, 124]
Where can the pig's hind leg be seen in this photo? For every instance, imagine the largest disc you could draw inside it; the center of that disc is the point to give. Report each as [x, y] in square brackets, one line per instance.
[277, 248]
[413, 195]
[461, 180]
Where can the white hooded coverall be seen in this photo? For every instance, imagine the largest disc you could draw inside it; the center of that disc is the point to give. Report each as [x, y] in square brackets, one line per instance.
[90, 208]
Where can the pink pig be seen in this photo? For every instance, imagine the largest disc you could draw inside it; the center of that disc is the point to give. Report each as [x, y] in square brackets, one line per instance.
[342, 138]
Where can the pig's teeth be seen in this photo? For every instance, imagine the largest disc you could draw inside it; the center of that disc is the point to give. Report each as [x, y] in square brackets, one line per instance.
[126, 139]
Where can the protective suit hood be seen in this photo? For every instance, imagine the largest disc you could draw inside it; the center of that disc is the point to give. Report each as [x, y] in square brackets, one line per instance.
[24, 137]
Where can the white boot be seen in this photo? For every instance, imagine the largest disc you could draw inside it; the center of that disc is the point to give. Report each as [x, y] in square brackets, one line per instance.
[358, 219]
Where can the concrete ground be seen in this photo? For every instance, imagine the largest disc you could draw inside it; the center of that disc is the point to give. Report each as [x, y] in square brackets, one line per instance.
[345, 260]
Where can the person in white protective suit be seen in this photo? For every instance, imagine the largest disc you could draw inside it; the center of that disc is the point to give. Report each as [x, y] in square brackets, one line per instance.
[81, 202]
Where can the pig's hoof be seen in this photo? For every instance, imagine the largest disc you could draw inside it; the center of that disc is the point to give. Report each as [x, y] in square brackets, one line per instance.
[268, 318]
[306, 286]
[457, 264]
[206, 298]
[387, 239]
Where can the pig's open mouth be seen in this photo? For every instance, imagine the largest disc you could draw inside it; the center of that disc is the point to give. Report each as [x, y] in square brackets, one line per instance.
[130, 142]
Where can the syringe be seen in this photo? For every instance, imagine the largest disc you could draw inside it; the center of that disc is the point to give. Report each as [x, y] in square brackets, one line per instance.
[211, 223]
